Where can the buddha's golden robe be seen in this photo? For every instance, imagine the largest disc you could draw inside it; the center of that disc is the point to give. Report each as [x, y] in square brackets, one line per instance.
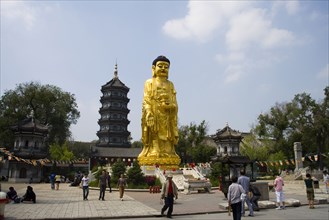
[160, 138]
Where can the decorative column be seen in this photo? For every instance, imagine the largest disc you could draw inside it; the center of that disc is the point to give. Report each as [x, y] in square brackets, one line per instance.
[298, 155]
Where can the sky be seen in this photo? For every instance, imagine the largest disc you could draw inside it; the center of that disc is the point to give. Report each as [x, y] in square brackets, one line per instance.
[230, 60]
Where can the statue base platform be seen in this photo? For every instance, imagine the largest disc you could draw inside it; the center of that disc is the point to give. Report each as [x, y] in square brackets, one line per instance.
[165, 163]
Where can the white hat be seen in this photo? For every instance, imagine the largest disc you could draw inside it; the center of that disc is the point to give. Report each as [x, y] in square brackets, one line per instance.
[169, 175]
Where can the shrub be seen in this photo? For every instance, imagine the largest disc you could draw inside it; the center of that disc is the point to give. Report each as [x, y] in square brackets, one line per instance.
[150, 180]
[135, 175]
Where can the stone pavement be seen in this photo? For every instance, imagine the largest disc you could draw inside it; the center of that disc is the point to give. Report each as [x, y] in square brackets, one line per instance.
[67, 202]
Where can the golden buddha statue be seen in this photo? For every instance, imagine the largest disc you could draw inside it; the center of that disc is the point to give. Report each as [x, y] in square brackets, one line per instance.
[159, 118]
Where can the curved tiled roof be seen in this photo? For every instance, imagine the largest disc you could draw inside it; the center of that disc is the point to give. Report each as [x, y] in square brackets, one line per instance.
[115, 82]
[30, 124]
[227, 133]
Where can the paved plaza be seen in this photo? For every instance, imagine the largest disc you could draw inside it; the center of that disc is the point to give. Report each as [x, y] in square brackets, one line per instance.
[67, 202]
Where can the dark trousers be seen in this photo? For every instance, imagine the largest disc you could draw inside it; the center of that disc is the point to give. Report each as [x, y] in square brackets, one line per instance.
[102, 189]
[85, 190]
[169, 203]
[254, 202]
[236, 210]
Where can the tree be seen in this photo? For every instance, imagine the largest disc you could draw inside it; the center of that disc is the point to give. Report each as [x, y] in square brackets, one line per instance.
[190, 145]
[301, 120]
[60, 152]
[47, 103]
[135, 175]
[81, 150]
[254, 148]
[118, 168]
[137, 144]
[273, 167]
[202, 153]
[321, 129]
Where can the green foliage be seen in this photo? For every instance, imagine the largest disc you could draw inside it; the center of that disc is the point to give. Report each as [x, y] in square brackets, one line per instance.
[189, 137]
[137, 144]
[217, 170]
[48, 104]
[60, 152]
[135, 175]
[118, 168]
[202, 153]
[81, 150]
[276, 157]
[300, 120]
[255, 149]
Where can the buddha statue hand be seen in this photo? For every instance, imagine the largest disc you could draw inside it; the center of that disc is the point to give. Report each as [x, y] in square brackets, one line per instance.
[149, 119]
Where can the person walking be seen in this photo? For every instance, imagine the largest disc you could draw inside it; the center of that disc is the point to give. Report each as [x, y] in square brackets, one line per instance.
[108, 177]
[168, 192]
[122, 183]
[52, 180]
[244, 181]
[309, 190]
[326, 180]
[278, 186]
[102, 185]
[234, 193]
[85, 186]
[255, 197]
[58, 179]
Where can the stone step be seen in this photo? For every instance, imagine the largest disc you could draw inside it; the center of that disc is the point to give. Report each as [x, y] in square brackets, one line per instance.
[320, 200]
[292, 202]
[266, 204]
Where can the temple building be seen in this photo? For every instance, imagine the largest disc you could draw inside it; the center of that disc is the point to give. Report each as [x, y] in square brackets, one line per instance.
[228, 142]
[114, 138]
[30, 144]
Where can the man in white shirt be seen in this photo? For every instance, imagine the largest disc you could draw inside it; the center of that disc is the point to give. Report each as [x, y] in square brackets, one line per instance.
[85, 186]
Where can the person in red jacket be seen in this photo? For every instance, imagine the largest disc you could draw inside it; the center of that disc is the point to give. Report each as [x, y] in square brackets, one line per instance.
[168, 192]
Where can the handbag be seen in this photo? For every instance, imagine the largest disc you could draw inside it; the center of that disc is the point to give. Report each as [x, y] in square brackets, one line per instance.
[243, 196]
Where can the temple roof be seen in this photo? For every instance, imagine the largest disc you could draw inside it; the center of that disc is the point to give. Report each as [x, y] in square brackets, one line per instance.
[227, 133]
[115, 82]
[30, 124]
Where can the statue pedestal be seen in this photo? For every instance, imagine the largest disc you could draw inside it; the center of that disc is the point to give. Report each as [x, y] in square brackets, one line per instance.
[165, 162]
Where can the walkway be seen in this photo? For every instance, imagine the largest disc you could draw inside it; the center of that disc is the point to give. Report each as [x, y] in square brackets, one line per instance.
[67, 203]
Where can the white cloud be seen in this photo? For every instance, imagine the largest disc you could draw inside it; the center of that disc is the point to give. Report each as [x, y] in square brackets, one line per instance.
[23, 13]
[19, 11]
[203, 19]
[278, 37]
[232, 57]
[252, 27]
[324, 73]
[233, 73]
[246, 28]
[291, 7]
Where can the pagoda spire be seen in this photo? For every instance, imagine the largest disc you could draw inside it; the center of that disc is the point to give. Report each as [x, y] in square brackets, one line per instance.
[116, 70]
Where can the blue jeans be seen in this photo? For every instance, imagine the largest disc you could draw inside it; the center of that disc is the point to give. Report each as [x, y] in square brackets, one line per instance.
[85, 190]
[247, 200]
